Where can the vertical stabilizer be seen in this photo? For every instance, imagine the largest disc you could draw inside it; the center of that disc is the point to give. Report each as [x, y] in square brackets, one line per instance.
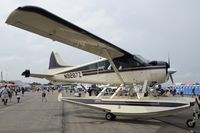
[56, 61]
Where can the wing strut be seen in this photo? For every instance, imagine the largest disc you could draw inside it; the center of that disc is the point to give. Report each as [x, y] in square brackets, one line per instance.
[113, 65]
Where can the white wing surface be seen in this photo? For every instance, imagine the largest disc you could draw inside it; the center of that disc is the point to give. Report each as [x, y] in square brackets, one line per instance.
[44, 23]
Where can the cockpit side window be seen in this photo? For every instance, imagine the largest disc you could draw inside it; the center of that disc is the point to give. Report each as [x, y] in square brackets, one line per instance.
[128, 62]
[103, 65]
[121, 63]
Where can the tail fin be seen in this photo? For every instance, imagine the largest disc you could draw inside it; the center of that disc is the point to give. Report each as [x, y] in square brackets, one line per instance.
[56, 62]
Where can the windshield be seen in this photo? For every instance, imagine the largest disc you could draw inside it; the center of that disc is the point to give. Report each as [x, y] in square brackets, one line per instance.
[140, 59]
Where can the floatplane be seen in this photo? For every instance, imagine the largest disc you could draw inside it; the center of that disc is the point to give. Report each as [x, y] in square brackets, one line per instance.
[117, 67]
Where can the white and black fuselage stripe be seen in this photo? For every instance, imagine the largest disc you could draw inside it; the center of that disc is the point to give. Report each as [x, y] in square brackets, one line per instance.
[130, 75]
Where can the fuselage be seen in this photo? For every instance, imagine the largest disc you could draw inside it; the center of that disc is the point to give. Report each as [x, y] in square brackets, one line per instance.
[132, 70]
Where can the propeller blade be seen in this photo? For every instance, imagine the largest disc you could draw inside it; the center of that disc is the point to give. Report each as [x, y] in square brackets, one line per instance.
[171, 78]
[167, 77]
[169, 61]
[171, 71]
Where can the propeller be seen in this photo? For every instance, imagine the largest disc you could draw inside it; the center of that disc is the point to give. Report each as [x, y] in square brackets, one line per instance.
[168, 61]
[170, 71]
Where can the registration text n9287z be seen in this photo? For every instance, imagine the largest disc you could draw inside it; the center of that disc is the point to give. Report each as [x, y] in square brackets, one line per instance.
[71, 75]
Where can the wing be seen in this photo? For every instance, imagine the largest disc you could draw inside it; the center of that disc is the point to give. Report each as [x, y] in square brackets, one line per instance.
[46, 24]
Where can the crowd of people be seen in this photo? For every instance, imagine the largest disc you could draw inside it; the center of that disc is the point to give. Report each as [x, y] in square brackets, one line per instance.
[44, 91]
[169, 91]
[6, 93]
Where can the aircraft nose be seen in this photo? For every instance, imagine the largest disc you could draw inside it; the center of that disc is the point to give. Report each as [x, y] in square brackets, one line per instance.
[163, 63]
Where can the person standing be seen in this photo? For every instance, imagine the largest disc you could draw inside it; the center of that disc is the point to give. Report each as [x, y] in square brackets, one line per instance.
[44, 93]
[193, 92]
[90, 91]
[10, 93]
[23, 90]
[18, 97]
[181, 92]
[5, 94]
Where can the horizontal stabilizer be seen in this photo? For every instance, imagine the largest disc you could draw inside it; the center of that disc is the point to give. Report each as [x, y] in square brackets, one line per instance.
[27, 73]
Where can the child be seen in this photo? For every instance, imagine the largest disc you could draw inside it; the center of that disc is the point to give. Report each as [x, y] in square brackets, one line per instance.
[18, 97]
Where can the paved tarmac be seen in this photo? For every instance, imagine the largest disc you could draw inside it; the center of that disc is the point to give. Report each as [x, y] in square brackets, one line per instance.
[32, 115]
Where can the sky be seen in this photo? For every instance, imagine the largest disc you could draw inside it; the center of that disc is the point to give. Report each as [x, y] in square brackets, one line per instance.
[155, 29]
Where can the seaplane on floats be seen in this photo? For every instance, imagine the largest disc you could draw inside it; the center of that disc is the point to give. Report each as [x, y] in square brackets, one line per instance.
[117, 67]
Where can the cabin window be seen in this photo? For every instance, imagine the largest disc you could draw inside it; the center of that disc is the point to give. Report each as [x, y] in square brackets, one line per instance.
[121, 63]
[139, 59]
[118, 66]
[92, 66]
[128, 62]
[103, 65]
[81, 69]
